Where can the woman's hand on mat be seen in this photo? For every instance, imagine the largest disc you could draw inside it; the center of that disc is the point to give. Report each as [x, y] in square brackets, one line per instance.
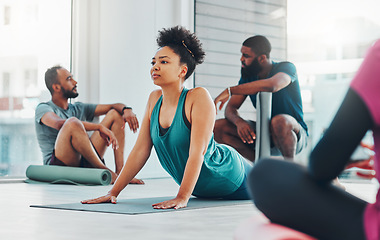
[109, 137]
[175, 203]
[103, 199]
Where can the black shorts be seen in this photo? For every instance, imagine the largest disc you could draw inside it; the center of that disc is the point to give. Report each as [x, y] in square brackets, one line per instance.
[83, 162]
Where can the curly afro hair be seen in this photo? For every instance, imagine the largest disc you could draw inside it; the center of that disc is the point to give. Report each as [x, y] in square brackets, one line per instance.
[185, 44]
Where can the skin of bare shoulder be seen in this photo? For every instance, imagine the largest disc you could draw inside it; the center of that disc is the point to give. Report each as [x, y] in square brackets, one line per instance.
[200, 91]
[201, 96]
[201, 114]
[153, 98]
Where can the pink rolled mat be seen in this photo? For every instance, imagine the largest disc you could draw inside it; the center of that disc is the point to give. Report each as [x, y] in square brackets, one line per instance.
[258, 227]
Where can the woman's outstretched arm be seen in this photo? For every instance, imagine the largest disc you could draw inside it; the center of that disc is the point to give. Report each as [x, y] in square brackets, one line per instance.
[136, 159]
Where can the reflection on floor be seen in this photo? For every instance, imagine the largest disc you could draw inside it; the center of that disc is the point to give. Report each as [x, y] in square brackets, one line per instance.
[19, 221]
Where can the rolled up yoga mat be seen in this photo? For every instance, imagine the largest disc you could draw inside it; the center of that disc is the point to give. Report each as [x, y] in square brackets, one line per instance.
[259, 227]
[68, 175]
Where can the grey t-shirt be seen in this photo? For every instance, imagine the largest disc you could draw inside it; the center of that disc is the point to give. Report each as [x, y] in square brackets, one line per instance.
[46, 136]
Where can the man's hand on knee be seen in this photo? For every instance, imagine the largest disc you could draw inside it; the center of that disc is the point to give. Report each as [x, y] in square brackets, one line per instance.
[130, 118]
[109, 137]
[246, 132]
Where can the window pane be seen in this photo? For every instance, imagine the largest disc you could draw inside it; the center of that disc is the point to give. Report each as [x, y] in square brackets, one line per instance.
[327, 41]
[35, 35]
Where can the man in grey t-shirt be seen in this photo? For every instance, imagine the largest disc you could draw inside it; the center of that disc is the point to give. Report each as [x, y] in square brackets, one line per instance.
[62, 127]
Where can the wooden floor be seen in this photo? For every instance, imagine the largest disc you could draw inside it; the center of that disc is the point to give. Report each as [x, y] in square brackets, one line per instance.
[19, 221]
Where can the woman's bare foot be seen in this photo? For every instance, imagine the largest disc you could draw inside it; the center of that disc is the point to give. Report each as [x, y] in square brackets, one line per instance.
[113, 177]
[136, 181]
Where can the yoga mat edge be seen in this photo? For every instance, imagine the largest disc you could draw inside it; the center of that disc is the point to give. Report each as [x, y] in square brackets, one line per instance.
[141, 205]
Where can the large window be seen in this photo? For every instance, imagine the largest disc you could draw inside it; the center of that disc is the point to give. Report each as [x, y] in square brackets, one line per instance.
[327, 41]
[35, 35]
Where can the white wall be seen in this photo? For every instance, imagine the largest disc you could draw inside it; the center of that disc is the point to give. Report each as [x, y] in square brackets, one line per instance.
[113, 44]
[222, 26]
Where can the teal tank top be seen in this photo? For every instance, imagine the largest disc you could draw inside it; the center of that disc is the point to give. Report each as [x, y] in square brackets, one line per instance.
[222, 171]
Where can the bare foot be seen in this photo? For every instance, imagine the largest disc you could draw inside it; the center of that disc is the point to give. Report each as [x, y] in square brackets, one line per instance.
[114, 176]
[136, 181]
[338, 184]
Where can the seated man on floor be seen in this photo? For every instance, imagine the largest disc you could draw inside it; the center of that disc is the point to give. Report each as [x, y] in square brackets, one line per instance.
[62, 127]
[260, 74]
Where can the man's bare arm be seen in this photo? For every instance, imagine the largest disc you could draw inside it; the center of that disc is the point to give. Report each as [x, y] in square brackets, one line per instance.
[128, 115]
[102, 109]
[231, 111]
[273, 84]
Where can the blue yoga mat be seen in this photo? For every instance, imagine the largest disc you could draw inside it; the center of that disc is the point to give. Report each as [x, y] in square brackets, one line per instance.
[142, 205]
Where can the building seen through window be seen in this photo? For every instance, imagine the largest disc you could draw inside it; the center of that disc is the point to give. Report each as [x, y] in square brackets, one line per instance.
[35, 35]
[327, 41]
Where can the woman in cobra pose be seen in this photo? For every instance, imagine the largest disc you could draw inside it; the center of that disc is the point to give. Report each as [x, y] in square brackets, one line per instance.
[179, 124]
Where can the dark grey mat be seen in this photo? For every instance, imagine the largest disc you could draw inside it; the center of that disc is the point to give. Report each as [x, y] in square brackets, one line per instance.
[142, 205]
